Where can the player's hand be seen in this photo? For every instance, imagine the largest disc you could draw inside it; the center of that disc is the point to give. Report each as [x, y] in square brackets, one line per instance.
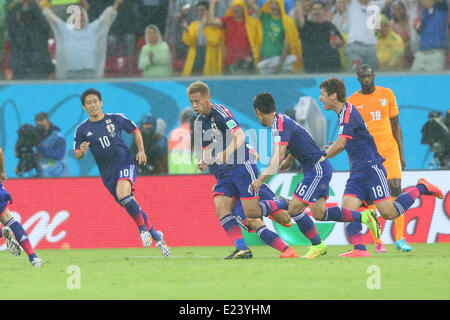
[285, 165]
[202, 165]
[84, 147]
[330, 143]
[141, 158]
[220, 158]
[3, 177]
[256, 185]
[403, 162]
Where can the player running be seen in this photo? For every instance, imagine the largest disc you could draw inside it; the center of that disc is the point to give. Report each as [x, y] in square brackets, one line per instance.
[367, 182]
[101, 134]
[313, 191]
[272, 206]
[379, 110]
[226, 154]
[14, 234]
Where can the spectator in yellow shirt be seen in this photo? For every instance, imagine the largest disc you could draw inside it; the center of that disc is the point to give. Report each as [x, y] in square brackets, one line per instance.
[390, 46]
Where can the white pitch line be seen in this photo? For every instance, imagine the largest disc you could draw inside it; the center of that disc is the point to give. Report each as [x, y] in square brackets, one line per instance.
[155, 257]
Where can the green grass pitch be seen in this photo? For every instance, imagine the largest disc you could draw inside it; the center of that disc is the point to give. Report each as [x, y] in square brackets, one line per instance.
[199, 273]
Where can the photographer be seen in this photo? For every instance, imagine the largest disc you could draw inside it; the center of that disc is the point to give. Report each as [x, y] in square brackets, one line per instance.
[27, 142]
[436, 134]
[155, 146]
[51, 149]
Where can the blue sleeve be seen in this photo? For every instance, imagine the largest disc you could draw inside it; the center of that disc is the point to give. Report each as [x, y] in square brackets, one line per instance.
[77, 139]
[282, 132]
[225, 120]
[347, 123]
[125, 123]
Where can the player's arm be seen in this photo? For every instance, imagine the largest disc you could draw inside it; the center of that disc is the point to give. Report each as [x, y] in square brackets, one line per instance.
[81, 152]
[274, 164]
[337, 147]
[141, 157]
[205, 158]
[2, 166]
[398, 136]
[236, 143]
[287, 163]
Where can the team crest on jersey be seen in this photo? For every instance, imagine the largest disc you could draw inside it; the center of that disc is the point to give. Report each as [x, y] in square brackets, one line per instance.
[108, 121]
[383, 102]
[111, 129]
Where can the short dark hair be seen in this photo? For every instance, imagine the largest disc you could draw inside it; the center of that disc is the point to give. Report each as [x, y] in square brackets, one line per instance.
[264, 102]
[41, 116]
[334, 85]
[318, 2]
[364, 69]
[89, 92]
[203, 3]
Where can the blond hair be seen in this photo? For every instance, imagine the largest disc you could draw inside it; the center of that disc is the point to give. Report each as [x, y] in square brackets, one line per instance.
[198, 86]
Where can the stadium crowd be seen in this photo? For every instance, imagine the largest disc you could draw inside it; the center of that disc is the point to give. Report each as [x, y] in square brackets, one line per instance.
[43, 39]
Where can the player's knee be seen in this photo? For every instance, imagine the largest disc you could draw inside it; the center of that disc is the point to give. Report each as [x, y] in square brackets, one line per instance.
[122, 195]
[317, 215]
[295, 207]
[396, 187]
[396, 191]
[253, 223]
[388, 214]
[317, 211]
[283, 217]
[5, 217]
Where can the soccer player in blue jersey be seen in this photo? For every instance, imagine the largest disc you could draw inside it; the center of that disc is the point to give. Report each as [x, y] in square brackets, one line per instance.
[367, 182]
[13, 232]
[102, 134]
[313, 191]
[226, 154]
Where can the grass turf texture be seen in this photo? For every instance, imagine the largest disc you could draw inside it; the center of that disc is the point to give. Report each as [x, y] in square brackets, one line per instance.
[200, 273]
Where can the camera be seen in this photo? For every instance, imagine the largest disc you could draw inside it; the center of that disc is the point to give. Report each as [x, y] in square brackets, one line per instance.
[436, 134]
[29, 138]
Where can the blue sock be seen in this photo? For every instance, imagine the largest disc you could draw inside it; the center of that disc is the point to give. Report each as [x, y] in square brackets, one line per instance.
[271, 238]
[354, 233]
[150, 228]
[333, 214]
[134, 210]
[234, 231]
[21, 237]
[404, 201]
[422, 189]
[307, 227]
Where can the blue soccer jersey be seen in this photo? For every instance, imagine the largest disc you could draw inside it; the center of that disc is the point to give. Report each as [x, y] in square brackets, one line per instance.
[106, 142]
[5, 199]
[299, 142]
[216, 132]
[360, 145]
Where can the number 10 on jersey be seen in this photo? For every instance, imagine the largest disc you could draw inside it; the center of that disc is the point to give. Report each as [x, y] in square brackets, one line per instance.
[104, 141]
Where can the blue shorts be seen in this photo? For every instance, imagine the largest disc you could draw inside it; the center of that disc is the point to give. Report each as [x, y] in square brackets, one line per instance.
[315, 183]
[5, 199]
[124, 172]
[236, 183]
[368, 185]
